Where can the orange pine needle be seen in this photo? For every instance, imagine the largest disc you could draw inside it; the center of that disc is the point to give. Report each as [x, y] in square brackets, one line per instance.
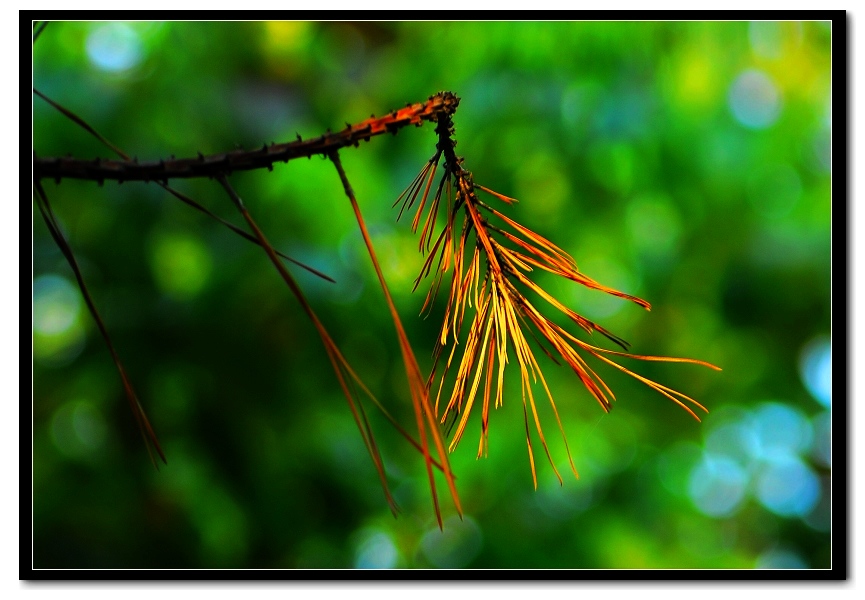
[338, 362]
[426, 419]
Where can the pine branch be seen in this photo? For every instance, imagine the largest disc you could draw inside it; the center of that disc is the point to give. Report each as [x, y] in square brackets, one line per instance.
[492, 264]
[100, 170]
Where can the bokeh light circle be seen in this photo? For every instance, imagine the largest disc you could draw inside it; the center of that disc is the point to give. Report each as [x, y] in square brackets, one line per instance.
[717, 486]
[114, 47]
[755, 100]
[815, 368]
[787, 487]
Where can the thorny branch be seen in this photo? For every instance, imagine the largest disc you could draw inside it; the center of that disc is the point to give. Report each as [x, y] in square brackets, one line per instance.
[444, 103]
[490, 261]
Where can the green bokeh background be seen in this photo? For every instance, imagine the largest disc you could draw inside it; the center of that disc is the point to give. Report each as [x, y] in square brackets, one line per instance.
[686, 163]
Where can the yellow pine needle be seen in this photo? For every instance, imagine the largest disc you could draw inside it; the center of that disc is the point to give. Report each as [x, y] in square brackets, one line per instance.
[528, 366]
[529, 444]
[465, 295]
[483, 445]
[476, 350]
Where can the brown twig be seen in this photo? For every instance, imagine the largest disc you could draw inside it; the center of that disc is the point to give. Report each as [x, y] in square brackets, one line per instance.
[444, 103]
[137, 410]
[38, 29]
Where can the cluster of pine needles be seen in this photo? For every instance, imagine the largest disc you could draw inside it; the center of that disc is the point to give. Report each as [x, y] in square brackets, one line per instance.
[489, 256]
[490, 259]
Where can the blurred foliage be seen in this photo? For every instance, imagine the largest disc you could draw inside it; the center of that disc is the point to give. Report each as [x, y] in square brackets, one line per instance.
[687, 163]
